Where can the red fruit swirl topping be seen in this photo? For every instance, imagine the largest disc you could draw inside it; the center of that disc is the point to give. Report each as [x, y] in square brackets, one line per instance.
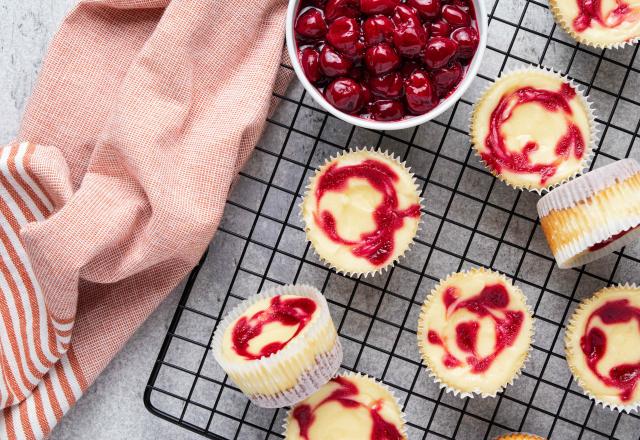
[625, 377]
[289, 312]
[608, 241]
[491, 302]
[376, 246]
[363, 40]
[499, 157]
[346, 395]
[591, 11]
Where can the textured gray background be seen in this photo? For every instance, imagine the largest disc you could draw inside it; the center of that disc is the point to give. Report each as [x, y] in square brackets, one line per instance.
[112, 407]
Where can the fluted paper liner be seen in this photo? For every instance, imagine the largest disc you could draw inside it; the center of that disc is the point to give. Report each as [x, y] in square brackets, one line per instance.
[570, 354]
[376, 383]
[589, 147]
[327, 260]
[580, 37]
[422, 329]
[610, 185]
[302, 363]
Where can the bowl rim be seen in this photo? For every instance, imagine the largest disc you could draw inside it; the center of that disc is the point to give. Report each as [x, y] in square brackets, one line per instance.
[472, 72]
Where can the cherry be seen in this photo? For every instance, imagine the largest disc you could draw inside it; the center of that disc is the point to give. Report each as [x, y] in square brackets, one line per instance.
[408, 67]
[371, 7]
[455, 16]
[310, 61]
[446, 78]
[310, 24]
[377, 29]
[421, 95]
[389, 85]
[344, 34]
[428, 9]
[440, 28]
[439, 51]
[387, 110]
[341, 8]
[467, 39]
[409, 38]
[334, 63]
[345, 94]
[366, 94]
[403, 13]
[381, 58]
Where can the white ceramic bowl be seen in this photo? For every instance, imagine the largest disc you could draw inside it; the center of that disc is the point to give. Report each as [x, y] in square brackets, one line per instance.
[390, 125]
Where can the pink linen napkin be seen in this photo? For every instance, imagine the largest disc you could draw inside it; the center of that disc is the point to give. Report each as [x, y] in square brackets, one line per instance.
[143, 114]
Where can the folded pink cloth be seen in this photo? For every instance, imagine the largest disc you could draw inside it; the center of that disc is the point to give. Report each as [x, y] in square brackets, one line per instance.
[143, 114]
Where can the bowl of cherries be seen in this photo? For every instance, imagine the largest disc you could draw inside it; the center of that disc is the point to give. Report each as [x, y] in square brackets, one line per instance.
[386, 64]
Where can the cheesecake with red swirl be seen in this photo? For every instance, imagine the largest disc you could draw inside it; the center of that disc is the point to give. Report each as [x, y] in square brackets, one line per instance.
[361, 211]
[350, 406]
[474, 332]
[602, 346]
[599, 23]
[533, 129]
[279, 346]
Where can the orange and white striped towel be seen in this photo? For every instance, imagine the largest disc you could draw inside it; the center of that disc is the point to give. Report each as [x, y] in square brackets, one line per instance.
[143, 114]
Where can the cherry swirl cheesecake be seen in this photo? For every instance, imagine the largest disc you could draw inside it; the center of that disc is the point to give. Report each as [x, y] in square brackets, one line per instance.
[386, 60]
[278, 347]
[350, 406]
[599, 23]
[602, 346]
[533, 129]
[361, 211]
[474, 332]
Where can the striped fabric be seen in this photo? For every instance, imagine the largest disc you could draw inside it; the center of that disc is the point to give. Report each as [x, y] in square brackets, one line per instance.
[143, 114]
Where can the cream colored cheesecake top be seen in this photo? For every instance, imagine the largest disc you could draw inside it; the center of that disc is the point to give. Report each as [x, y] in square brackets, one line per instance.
[267, 326]
[603, 346]
[361, 211]
[601, 23]
[350, 407]
[532, 129]
[475, 331]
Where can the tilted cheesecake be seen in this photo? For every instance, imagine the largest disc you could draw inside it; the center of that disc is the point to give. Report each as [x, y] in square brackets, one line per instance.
[474, 332]
[602, 346]
[350, 406]
[280, 346]
[361, 211]
[593, 215]
[533, 129]
[604, 24]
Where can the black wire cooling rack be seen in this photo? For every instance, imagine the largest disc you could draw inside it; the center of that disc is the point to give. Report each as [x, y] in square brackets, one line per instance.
[470, 220]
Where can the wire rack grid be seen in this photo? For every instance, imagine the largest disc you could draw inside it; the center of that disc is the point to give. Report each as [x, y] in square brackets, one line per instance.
[470, 219]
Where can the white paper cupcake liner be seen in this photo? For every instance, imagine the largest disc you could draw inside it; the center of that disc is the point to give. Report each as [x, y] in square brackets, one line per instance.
[305, 363]
[568, 28]
[610, 223]
[421, 333]
[403, 420]
[580, 93]
[569, 353]
[332, 264]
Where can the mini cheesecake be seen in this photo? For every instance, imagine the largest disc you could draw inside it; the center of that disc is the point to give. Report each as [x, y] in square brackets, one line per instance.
[602, 24]
[603, 347]
[593, 215]
[474, 332]
[279, 346]
[361, 211]
[350, 406]
[533, 129]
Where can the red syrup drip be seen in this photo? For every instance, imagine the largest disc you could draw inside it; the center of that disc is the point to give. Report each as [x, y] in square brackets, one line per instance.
[608, 241]
[625, 377]
[376, 246]
[591, 10]
[381, 430]
[499, 157]
[288, 312]
[491, 298]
